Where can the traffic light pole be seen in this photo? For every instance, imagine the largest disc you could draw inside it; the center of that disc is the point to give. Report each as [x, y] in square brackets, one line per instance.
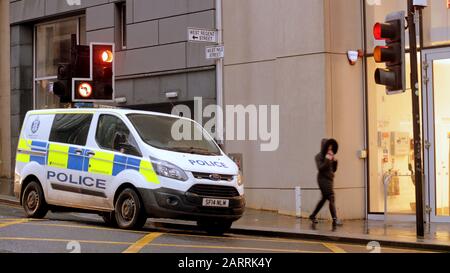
[416, 119]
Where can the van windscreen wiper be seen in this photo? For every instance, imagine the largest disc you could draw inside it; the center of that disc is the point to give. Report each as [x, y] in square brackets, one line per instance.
[193, 150]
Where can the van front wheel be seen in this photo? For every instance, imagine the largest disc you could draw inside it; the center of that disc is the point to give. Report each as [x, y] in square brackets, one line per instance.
[109, 218]
[129, 210]
[33, 201]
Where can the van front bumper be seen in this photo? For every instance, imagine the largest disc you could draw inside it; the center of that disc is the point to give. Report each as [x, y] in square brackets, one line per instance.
[173, 204]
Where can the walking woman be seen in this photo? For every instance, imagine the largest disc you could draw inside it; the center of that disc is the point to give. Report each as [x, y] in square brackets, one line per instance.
[327, 164]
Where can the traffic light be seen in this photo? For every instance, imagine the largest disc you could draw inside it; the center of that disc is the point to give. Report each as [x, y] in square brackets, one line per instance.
[63, 87]
[99, 86]
[393, 53]
[79, 66]
[81, 61]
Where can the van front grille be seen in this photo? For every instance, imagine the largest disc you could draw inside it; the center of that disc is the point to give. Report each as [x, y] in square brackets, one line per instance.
[214, 191]
[213, 177]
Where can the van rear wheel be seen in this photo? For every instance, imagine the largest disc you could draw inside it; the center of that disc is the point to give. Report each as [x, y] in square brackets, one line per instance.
[33, 201]
[129, 211]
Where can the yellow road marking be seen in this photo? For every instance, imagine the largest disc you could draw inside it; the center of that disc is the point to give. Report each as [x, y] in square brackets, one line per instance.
[10, 223]
[246, 238]
[62, 240]
[334, 248]
[136, 247]
[87, 227]
[237, 248]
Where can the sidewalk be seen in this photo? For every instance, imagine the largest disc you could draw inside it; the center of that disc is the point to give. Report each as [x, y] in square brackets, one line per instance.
[394, 234]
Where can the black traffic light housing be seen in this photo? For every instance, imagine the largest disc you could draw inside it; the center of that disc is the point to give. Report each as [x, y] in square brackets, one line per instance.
[89, 77]
[393, 54]
[62, 87]
[98, 86]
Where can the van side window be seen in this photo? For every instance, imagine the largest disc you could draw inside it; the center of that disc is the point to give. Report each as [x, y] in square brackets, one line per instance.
[113, 134]
[71, 128]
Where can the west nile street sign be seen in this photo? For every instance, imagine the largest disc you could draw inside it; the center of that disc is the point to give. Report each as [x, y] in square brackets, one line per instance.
[215, 52]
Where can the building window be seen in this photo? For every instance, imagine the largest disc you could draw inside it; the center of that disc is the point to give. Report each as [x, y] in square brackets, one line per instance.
[52, 46]
[123, 24]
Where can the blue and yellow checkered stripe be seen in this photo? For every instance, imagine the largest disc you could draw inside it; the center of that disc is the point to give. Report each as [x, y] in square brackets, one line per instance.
[26, 149]
[66, 157]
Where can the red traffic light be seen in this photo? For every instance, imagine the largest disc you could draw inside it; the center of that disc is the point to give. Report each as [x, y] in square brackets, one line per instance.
[392, 31]
[85, 90]
[107, 56]
[388, 31]
[377, 31]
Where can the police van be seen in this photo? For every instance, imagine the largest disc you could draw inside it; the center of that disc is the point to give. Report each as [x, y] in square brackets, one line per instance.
[126, 166]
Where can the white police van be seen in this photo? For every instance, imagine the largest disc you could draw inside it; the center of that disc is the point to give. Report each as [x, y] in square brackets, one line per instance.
[127, 166]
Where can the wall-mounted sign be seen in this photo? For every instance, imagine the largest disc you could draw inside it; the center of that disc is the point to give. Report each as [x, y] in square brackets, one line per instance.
[215, 52]
[202, 35]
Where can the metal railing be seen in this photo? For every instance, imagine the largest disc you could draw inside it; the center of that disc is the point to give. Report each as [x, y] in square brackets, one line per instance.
[387, 179]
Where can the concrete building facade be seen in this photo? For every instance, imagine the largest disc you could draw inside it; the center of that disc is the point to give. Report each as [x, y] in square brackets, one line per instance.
[291, 53]
[294, 54]
[5, 98]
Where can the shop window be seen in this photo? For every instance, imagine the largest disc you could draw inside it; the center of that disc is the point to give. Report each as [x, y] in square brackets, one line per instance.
[390, 147]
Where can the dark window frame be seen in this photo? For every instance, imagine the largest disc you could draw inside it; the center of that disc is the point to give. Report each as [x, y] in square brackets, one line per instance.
[123, 24]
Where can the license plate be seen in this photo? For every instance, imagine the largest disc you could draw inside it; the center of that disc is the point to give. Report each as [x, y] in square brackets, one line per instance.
[221, 203]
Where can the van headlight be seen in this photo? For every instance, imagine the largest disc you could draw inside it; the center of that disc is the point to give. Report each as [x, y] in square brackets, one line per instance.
[167, 169]
[240, 179]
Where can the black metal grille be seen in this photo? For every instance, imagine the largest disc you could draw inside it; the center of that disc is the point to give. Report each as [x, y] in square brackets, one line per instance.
[214, 191]
[209, 176]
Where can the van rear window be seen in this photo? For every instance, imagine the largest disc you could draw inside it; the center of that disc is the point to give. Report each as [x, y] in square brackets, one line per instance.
[71, 128]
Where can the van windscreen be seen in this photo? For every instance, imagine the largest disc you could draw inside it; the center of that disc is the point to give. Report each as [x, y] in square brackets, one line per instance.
[174, 134]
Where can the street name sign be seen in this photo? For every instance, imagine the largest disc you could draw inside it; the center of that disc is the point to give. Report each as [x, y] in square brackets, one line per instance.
[202, 35]
[215, 52]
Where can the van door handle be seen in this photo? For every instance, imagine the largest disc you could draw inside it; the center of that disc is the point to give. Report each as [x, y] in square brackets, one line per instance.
[79, 152]
[90, 154]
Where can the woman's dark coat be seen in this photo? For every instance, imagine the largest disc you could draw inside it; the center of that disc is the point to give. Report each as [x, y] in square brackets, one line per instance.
[326, 167]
